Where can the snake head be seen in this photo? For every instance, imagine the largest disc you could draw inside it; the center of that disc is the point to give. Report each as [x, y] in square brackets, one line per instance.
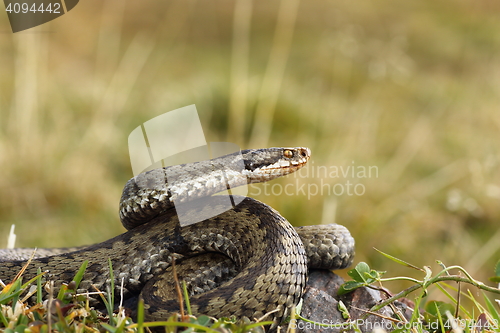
[266, 164]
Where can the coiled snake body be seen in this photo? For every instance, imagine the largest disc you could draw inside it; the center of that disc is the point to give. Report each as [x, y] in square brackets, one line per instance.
[246, 261]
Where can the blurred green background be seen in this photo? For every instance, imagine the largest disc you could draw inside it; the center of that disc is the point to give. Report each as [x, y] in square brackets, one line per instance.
[408, 87]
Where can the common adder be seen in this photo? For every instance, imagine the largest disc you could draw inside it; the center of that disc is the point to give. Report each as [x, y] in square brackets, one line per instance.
[245, 262]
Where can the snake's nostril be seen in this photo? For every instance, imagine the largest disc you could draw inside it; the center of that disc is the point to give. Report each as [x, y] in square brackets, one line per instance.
[305, 152]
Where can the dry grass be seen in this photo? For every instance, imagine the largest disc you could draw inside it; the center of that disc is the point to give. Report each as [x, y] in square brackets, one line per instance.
[410, 88]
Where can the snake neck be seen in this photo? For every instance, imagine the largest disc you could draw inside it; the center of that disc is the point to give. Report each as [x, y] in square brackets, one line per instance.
[153, 192]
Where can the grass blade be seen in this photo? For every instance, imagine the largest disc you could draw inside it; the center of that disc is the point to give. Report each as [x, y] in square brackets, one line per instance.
[399, 261]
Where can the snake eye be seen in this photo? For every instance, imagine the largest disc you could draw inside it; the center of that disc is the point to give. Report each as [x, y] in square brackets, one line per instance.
[288, 153]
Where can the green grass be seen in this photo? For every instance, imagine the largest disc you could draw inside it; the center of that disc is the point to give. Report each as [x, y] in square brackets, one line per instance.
[430, 315]
[465, 310]
[70, 312]
[409, 87]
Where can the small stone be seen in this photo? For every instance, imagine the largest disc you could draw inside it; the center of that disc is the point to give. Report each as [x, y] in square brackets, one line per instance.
[321, 305]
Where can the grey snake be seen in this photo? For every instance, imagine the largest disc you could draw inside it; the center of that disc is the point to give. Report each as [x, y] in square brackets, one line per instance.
[244, 262]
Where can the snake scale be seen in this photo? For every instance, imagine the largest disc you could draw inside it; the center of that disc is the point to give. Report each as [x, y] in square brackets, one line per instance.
[244, 262]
